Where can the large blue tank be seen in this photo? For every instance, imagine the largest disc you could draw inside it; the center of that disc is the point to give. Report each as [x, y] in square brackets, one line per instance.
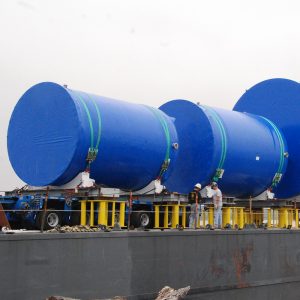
[52, 129]
[278, 99]
[249, 150]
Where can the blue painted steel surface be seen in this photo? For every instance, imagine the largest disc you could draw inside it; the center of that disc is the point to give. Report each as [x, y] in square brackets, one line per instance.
[245, 146]
[279, 100]
[52, 129]
[194, 133]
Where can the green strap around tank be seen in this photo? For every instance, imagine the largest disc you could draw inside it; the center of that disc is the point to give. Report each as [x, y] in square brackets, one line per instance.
[89, 120]
[165, 127]
[281, 143]
[220, 125]
[93, 151]
[99, 120]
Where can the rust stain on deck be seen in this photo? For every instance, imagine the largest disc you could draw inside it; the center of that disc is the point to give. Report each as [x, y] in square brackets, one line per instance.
[242, 263]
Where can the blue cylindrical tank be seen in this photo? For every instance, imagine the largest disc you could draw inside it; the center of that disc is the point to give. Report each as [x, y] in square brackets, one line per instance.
[278, 99]
[247, 149]
[52, 129]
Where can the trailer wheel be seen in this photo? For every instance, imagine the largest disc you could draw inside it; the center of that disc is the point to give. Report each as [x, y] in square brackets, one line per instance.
[52, 219]
[141, 219]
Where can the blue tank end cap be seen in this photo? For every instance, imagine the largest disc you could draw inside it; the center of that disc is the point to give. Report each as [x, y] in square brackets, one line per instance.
[41, 141]
[279, 100]
[193, 163]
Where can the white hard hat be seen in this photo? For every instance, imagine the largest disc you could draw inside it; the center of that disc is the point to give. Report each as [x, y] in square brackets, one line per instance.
[214, 184]
[198, 186]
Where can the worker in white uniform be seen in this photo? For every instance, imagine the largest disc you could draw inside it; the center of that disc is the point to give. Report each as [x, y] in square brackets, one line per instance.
[217, 201]
[195, 208]
[207, 192]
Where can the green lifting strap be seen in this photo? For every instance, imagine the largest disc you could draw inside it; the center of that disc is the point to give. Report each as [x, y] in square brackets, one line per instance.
[99, 120]
[218, 121]
[278, 174]
[165, 127]
[93, 151]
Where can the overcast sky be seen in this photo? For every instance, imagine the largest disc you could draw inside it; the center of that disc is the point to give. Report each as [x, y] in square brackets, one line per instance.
[144, 51]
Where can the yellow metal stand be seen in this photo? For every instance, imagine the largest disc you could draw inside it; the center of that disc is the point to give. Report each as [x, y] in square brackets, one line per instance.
[102, 210]
[166, 217]
[207, 217]
[240, 217]
[234, 216]
[92, 213]
[247, 217]
[202, 218]
[211, 216]
[175, 215]
[122, 214]
[183, 220]
[283, 217]
[83, 212]
[290, 217]
[176, 209]
[156, 216]
[226, 214]
[113, 212]
[269, 218]
[296, 218]
[258, 216]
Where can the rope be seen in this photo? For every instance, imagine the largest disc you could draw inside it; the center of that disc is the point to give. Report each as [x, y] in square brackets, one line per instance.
[165, 127]
[220, 125]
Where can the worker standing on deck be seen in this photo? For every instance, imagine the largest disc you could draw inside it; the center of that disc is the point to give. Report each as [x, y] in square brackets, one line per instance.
[217, 200]
[195, 207]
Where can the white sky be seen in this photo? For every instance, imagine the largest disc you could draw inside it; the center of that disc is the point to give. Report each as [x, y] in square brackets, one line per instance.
[144, 51]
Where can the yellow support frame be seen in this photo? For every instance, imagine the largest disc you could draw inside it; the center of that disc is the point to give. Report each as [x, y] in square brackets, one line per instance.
[175, 209]
[258, 216]
[203, 218]
[296, 218]
[102, 212]
[156, 216]
[122, 214]
[83, 212]
[183, 220]
[175, 215]
[102, 209]
[283, 217]
[290, 216]
[240, 217]
[270, 224]
[166, 217]
[92, 213]
[234, 216]
[113, 212]
[226, 213]
[211, 215]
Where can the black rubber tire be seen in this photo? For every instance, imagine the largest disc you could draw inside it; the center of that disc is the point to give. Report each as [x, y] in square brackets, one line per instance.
[52, 219]
[141, 219]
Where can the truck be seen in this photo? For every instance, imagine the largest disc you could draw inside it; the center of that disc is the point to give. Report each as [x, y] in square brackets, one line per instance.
[28, 206]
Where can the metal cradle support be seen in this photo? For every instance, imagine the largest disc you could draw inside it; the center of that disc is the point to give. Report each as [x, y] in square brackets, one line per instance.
[169, 215]
[104, 210]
